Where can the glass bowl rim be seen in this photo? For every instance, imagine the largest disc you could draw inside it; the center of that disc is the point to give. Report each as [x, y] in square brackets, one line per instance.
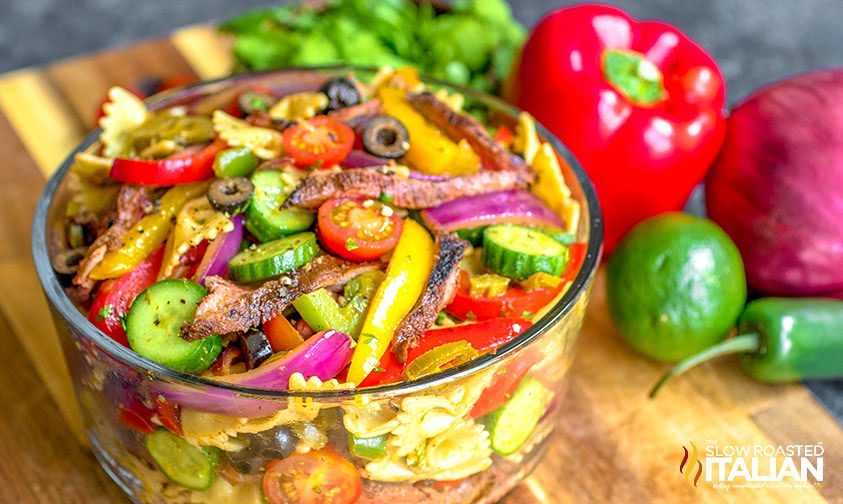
[72, 316]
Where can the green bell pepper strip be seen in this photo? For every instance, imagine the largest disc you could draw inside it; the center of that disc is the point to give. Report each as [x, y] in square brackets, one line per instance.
[781, 340]
[367, 448]
[322, 312]
[406, 276]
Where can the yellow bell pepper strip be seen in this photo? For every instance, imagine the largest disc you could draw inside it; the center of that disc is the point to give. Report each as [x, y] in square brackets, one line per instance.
[196, 221]
[406, 275]
[551, 188]
[149, 232]
[435, 153]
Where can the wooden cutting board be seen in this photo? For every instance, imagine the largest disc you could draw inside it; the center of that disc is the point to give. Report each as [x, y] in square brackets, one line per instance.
[612, 445]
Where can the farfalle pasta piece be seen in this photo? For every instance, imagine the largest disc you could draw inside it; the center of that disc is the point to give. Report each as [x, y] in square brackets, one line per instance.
[458, 452]
[298, 106]
[265, 143]
[123, 113]
[462, 450]
[196, 221]
[370, 420]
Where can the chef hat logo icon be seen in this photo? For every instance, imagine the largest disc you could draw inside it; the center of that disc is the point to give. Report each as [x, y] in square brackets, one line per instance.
[691, 464]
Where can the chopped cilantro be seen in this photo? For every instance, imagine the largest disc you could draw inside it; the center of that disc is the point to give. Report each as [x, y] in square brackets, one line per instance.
[526, 314]
[470, 315]
[350, 244]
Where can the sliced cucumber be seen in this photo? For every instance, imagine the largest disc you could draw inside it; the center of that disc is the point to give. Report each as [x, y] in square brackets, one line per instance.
[271, 259]
[154, 323]
[474, 235]
[189, 466]
[511, 425]
[265, 219]
[518, 252]
[563, 237]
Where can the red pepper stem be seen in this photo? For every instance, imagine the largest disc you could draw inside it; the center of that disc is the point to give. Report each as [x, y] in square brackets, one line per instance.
[744, 343]
[633, 76]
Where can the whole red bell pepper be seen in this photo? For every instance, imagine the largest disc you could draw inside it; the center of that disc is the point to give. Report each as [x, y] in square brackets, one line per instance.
[639, 104]
[190, 165]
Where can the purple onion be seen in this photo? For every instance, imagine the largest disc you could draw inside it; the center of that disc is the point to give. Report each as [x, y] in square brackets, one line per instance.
[323, 355]
[360, 159]
[220, 251]
[516, 207]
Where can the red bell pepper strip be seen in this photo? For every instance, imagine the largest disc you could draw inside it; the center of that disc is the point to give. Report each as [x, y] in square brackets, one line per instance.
[190, 165]
[114, 296]
[515, 302]
[639, 104]
[136, 416]
[504, 383]
[483, 336]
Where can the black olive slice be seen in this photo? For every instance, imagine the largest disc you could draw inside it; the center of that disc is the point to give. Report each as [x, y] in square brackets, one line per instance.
[386, 137]
[231, 195]
[255, 347]
[341, 93]
[66, 264]
[252, 101]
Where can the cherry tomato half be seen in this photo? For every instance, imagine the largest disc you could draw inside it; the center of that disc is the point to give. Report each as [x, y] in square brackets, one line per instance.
[358, 229]
[318, 477]
[322, 141]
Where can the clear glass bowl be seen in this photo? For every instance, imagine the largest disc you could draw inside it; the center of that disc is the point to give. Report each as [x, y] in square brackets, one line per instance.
[440, 453]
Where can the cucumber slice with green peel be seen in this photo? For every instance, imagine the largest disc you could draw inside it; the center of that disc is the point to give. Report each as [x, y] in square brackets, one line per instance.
[474, 235]
[518, 252]
[512, 424]
[563, 237]
[190, 466]
[273, 258]
[154, 322]
[264, 218]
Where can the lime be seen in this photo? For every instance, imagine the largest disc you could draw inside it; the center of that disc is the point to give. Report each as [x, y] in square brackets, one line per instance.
[675, 286]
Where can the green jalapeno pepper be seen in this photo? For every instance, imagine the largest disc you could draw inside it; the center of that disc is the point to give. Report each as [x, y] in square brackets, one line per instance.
[781, 340]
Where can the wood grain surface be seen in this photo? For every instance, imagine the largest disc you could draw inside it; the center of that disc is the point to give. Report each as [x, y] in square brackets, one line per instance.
[612, 444]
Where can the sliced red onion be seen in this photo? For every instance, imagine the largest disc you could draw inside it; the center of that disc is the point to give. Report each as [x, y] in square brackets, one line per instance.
[516, 207]
[220, 251]
[361, 159]
[323, 355]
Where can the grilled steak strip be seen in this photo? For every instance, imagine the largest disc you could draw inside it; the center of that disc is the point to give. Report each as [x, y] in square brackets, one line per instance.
[439, 291]
[404, 192]
[464, 127]
[131, 201]
[230, 308]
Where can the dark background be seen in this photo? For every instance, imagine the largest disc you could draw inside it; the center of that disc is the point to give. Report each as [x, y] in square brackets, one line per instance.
[755, 41]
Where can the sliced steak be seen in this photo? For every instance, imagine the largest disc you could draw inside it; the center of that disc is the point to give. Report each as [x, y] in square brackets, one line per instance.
[464, 127]
[131, 202]
[405, 192]
[231, 308]
[439, 291]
